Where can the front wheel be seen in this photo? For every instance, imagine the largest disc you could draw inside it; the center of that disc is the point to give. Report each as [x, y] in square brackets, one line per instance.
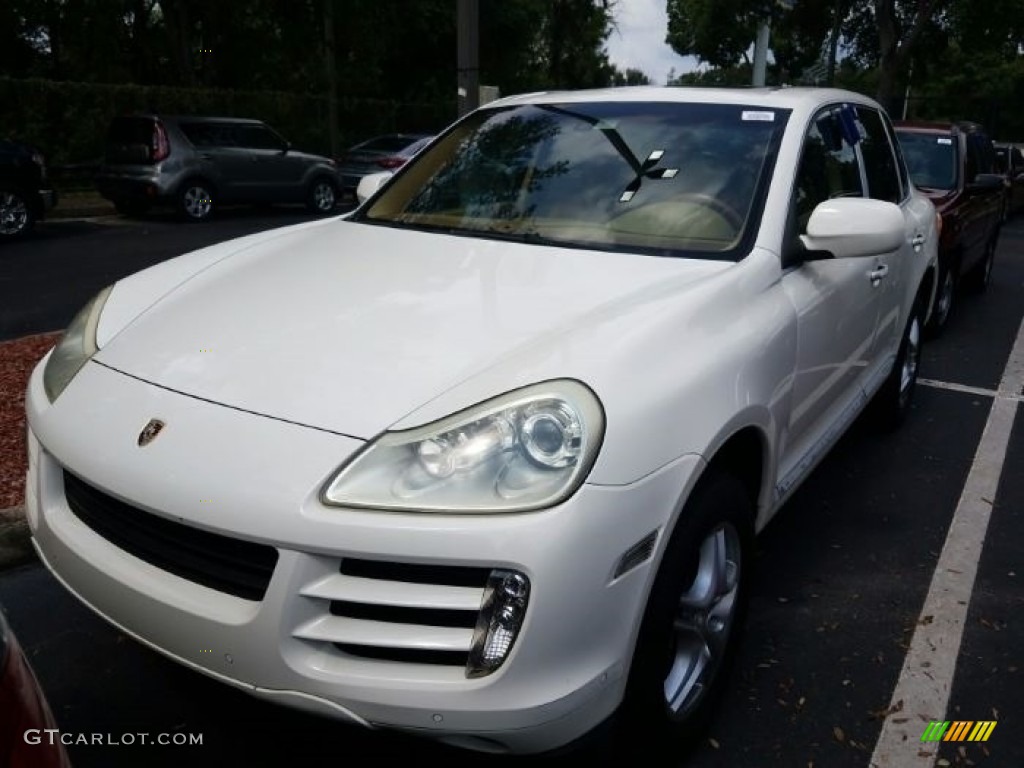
[691, 626]
[945, 298]
[322, 196]
[195, 200]
[892, 403]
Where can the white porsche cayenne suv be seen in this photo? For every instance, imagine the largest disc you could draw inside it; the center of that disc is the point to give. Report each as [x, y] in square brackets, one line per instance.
[483, 460]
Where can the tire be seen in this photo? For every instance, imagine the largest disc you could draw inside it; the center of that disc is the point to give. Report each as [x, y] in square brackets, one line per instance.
[981, 276]
[322, 196]
[691, 625]
[131, 207]
[196, 200]
[945, 298]
[17, 218]
[892, 402]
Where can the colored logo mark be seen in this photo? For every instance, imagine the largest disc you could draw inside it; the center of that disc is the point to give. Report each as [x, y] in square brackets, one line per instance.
[958, 730]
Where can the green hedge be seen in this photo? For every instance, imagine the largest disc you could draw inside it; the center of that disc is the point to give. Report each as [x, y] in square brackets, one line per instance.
[68, 120]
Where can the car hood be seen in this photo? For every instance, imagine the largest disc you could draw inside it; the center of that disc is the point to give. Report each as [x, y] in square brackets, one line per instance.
[350, 327]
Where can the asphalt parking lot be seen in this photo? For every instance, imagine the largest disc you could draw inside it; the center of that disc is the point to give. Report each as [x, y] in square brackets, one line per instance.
[839, 590]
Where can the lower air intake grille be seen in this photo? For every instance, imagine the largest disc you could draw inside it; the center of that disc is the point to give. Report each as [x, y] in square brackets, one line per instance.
[237, 567]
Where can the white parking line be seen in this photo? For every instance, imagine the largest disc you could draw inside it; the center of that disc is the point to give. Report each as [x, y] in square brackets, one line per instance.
[964, 388]
[922, 691]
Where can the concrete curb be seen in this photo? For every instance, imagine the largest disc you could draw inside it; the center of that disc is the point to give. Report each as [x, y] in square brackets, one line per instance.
[15, 544]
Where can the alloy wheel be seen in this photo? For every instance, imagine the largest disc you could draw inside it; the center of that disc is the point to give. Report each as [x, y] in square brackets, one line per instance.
[911, 359]
[323, 196]
[944, 303]
[14, 214]
[197, 202]
[703, 621]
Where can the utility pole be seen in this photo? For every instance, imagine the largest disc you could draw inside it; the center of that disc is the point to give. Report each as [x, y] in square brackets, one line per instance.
[764, 30]
[468, 18]
[331, 65]
[761, 53]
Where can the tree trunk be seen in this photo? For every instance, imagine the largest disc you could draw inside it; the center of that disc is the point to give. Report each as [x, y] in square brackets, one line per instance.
[894, 49]
[179, 32]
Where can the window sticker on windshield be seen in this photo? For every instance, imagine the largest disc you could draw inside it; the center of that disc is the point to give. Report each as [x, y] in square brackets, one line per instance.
[763, 117]
[944, 141]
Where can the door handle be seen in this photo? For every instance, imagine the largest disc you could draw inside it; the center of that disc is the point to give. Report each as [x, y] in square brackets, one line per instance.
[918, 241]
[876, 274]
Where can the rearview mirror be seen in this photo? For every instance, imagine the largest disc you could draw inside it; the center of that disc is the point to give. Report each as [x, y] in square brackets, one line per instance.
[855, 226]
[368, 185]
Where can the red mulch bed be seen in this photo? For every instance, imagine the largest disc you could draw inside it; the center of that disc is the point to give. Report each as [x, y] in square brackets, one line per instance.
[17, 359]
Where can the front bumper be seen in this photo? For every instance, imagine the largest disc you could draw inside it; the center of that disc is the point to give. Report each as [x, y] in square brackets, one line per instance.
[257, 478]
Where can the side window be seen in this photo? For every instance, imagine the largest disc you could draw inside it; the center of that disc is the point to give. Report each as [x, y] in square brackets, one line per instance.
[220, 135]
[986, 153]
[828, 166]
[199, 134]
[879, 158]
[974, 158]
[901, 163]
[259, 137]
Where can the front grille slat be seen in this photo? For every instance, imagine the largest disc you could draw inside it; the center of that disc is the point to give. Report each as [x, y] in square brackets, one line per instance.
[409, 613]
[382, 634]
[235, 566]
[397, 593]
[429, 617]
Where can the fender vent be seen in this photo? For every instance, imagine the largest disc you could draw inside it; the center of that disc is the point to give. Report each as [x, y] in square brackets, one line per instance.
[636, 555]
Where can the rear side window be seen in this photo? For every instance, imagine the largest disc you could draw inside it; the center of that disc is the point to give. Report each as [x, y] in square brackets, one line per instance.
[200, 134]
[879, 159]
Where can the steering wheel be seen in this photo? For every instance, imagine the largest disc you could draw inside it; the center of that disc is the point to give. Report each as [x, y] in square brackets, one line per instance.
[723, 209]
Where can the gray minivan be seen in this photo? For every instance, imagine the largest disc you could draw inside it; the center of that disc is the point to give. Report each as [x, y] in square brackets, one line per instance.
[197, 163]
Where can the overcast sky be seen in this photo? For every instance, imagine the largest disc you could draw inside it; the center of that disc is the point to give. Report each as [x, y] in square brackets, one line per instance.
[639, 40]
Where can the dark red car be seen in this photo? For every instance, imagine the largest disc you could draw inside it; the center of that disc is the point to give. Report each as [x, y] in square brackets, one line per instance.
[955, 165]
[24, 714]
[1010, 161]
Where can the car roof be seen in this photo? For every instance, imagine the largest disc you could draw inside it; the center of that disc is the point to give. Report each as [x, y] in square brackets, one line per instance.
[925, 126]
[780, 98]
[195, 119]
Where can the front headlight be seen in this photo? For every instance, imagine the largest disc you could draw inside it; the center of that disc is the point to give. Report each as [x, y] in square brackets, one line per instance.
[75, 347]
[524, 450]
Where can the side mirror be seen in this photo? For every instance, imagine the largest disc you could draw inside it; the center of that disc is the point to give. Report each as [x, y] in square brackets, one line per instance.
[368, 185]
[855, 226]
[986, 182]
[287, 146]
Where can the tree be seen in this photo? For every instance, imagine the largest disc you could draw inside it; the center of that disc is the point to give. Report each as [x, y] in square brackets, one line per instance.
[630, 76]
[899, 28]
[718, 32]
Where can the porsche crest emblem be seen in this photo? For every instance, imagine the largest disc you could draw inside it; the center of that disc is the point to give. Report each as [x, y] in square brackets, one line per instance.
[150, 432]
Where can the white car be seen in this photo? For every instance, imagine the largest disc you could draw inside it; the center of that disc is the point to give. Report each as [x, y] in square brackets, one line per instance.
[484, 460]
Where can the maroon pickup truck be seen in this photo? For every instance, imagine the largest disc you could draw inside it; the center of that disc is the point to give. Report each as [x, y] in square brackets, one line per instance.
[955, 165]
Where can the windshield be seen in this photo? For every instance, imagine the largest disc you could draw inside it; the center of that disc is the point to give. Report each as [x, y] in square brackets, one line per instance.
[931, 158]
[661, 177]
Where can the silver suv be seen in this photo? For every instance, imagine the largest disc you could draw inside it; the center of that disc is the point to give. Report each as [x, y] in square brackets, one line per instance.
[197, 163]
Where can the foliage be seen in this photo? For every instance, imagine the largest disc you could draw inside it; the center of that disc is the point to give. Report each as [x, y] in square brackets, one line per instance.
[944, 47]
[78, 113]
